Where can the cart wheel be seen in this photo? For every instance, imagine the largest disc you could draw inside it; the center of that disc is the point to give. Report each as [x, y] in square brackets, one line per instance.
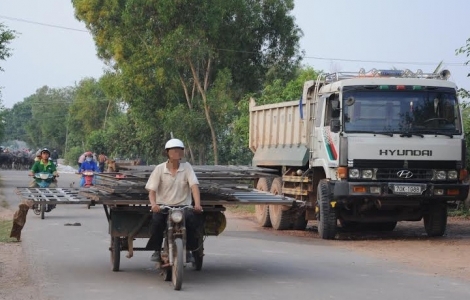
[43, 210]
[177, 268]
[115, 253]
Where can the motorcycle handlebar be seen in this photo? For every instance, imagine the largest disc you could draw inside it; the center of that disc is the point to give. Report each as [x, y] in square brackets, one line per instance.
[166, 207]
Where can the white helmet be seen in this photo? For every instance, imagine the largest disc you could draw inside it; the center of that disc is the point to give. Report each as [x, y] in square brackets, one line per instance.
[174, 143]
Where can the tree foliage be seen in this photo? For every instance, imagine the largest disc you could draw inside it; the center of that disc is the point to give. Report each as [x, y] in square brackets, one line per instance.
[6, 36]
[464, 50]
[171, 52]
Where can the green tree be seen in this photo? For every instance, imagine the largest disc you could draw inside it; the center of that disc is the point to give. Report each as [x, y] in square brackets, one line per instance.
[16, 120]
[6, 36]
[87, 112]
[39, 119]
[464, 50]
[173, 50]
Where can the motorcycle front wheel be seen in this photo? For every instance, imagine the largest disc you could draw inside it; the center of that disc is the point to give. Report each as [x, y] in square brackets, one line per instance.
[37, 209]
[178, 262]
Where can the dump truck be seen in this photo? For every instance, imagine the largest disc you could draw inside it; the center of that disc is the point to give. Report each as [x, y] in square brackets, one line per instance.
[363, 150]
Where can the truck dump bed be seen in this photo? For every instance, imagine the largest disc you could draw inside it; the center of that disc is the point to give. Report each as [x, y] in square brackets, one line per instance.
[278, 134]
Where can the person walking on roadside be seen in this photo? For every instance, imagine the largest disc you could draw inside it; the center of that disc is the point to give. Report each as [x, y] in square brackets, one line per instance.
[81, 159]
[101, 161]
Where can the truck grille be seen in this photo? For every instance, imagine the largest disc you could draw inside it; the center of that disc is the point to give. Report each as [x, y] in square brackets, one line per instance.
[392, 174]
[387, 170]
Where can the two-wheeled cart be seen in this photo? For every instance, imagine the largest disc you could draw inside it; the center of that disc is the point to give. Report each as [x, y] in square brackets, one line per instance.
[126, 205]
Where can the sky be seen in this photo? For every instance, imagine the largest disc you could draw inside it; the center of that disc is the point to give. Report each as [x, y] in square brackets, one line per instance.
[339, 35]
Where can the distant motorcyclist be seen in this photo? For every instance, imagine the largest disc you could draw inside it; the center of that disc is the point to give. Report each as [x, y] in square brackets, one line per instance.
[88, 165]
[44, 165]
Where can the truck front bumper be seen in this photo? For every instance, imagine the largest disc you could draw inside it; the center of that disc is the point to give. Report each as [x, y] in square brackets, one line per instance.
[399, 190]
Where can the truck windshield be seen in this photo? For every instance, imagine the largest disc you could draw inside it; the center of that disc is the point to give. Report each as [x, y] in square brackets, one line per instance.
[435, 111]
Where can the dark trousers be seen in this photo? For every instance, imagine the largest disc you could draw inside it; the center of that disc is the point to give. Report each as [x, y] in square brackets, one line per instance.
[101, 166]
[194, 231]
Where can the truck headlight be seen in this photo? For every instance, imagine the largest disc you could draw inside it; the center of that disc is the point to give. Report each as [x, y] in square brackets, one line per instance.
[441, 175]
[177, 216]
[367, 174]
[452, 175]
[353, 173]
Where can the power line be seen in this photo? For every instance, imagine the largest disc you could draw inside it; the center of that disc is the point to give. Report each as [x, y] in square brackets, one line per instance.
[42, 24]
[459, 64]
[387, 62]
[456, 64]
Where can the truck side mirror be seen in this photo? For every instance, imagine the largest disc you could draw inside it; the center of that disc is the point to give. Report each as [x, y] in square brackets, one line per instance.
[335, 125]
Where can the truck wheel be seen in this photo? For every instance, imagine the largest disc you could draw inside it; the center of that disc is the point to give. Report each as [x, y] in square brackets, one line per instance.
[281, 217]
[262, 211]
[299, 222]
[326, 214]
[435, 221]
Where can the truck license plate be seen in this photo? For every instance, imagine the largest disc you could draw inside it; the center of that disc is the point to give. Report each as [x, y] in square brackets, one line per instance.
[407, 189]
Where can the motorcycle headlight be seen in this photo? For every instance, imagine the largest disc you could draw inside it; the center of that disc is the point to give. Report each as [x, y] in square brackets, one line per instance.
[353, 173]
[452, 175]
[44, 176]
[177, 216]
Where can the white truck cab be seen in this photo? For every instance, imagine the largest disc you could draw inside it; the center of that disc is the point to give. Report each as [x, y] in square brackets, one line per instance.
[366, 149]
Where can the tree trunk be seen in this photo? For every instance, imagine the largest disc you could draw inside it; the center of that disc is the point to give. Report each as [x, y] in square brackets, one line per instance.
[202, 91]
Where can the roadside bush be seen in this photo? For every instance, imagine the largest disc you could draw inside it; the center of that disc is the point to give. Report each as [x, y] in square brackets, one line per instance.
[72, 155]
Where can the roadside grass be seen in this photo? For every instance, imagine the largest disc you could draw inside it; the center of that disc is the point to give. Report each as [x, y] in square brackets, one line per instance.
[461, 212]
[5, 229]
[241, 209]
[4, 204]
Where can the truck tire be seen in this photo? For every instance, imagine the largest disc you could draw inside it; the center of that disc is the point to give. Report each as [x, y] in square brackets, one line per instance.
[326, 213]
[261, 210]
[281, 217]
[435, 221]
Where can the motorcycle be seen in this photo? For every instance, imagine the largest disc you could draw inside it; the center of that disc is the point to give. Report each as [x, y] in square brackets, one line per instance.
[88, 181]
[89, 177]
[174, 246]
[45, 181]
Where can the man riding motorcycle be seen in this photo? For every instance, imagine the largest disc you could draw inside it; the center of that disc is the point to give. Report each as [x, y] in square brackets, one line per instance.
[44, 165]
[88, 165]
[172, 183]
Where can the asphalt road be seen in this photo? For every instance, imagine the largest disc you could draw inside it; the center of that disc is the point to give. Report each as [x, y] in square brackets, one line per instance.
[73, 262]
